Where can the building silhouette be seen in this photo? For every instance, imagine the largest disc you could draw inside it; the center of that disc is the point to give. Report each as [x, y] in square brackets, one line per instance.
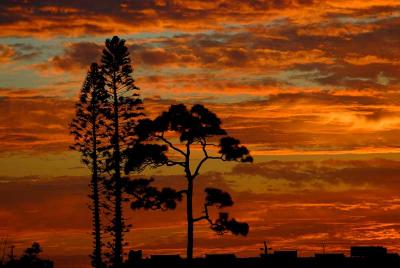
[360, 257]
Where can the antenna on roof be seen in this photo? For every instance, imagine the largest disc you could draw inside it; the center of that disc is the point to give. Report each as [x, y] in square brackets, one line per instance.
[3, 247]
[12, 247]
[323, 244]
[265, 248]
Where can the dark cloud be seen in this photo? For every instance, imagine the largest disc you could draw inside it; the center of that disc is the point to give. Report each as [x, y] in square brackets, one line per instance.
[355, 61]
[61, 13]
[25, 51]
[76, 56]
[292, 54]
[377, 173]
[324, 98]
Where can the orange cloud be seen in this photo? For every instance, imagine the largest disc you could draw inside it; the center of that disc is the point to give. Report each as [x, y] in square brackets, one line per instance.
[35, 124]
[6, 53]
[324, 88]
[47, 18]
[300, 121]
[254, 57]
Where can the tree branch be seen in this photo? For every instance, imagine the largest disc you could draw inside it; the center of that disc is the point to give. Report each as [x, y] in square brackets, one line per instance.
[174, 163]
[205, 216]
[170, 144]
[206, 157]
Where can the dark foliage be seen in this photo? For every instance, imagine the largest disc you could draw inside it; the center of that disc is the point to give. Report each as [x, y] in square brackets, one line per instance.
[145, 155]
[220, 199]
[104, 128]
[231, 150]
[125, 107]
[88, 129]
[197, 127]
[148, 197]
[224, 224]
[29, 259]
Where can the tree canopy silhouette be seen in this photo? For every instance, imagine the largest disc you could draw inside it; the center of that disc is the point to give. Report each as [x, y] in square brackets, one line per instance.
[104, 127]
[195, 127]
[29, 259]
[220, 199]
[88, 129]
[145, 196]
[125, 107]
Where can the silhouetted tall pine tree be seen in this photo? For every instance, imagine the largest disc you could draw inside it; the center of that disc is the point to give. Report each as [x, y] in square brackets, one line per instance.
[124, 107]
[88, 129]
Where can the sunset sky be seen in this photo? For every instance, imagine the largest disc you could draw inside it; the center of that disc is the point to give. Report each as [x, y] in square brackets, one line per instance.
[310, 86]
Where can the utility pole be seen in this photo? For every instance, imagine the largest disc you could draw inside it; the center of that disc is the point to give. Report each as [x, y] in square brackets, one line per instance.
[266, 248]
[323, 247]
[12, 252]
[3, 244]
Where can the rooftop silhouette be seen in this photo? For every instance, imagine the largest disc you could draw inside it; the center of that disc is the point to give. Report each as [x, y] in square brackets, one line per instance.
[360, 256]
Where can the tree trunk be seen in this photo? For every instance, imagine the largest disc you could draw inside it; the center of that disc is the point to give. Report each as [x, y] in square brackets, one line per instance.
[96, 216]
[97, 260]
[118, 192]
[189, 212]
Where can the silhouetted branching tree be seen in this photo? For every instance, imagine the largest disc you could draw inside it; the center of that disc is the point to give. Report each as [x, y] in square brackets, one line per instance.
[195, 128]
[124, 107]
[88, 129]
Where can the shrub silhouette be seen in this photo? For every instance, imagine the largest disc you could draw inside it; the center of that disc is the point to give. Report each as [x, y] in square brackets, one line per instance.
[29, 259]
